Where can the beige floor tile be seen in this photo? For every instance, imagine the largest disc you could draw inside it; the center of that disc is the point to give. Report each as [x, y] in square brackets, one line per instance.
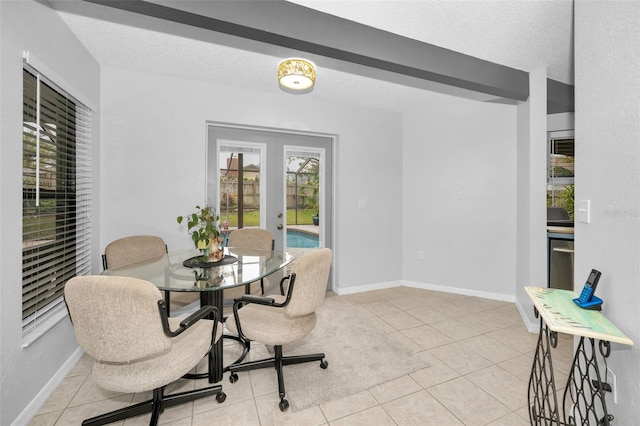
[381, 307]
[348, 405]
[63, 394]
[372, 416]
[427, 337]
[362, 311]
[241, 413]
[48, 419]
[263, 381]
[397, 338]
[394, 389]
[455, 329]
[491, 320]
[378, 322]
[437, 372]
[490, 348]
[428, 315]
[83, 367]
[236, 392]
[516, 337]
[420, 408]
[468, 402]
[270, 414]
[511, 419]
[408, 302]
[466, 306]
[519, 366]
[461, 359]
[90, 392]
[502, 385]
[361, 298]
[75, 415]
[401, 320]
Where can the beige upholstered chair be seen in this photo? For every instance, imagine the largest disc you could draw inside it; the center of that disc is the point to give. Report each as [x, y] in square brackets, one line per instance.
[134, 249]
[139, 248]
[279, 320]
[122, 324]
[250, 238]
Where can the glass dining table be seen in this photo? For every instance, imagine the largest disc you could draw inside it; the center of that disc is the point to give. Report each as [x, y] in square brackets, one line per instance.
[184, 271]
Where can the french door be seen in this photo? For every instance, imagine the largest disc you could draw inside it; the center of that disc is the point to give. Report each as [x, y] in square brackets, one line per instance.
[272, 179]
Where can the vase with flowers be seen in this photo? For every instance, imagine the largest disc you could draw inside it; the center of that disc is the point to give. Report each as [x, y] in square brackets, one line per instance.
[202, 225]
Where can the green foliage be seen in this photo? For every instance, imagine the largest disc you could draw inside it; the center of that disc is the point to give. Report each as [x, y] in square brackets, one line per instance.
[252, 217]
[202, 225]
[568, 200]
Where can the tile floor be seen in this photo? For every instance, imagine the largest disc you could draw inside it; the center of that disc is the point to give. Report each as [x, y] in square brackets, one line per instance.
[479, 351]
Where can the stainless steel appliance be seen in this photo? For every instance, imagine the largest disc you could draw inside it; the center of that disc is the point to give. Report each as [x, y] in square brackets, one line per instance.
[560, 257]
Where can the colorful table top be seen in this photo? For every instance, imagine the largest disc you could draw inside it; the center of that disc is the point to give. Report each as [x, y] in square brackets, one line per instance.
[562, 315]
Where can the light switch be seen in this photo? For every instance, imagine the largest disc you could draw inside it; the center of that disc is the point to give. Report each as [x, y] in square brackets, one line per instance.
[362, 203]
[583, 212]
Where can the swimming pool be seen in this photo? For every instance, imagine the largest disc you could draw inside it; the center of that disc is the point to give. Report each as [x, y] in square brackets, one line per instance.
[299, 239]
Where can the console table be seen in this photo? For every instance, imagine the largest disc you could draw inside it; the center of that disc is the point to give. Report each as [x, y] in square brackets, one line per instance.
[583, 401]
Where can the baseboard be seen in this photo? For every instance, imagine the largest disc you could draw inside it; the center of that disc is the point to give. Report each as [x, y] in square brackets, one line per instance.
[425, 286]
[366, 287]
[34, 406]
[463, 291]
[533, 327]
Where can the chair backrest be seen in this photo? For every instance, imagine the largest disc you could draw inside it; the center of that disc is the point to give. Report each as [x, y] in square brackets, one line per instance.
[129, 250]
[251, 238]
[310, 285]
[116, 319]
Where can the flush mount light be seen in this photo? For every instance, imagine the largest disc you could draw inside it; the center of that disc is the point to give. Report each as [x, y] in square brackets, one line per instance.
[296, 74]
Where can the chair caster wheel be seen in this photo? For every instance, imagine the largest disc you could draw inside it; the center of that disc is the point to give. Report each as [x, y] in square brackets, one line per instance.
[221, 397]
[233, 378]
[284, 405]
[324, 364]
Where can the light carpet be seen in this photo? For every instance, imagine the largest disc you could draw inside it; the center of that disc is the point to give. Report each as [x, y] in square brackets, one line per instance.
[360, 355]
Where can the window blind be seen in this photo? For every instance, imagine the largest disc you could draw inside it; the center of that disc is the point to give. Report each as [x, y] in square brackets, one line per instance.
[56, 220]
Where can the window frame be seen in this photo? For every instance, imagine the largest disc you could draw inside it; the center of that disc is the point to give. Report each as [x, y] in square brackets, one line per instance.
[63, 124]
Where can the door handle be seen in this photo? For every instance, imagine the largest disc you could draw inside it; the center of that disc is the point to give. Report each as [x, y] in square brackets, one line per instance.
[279, 226]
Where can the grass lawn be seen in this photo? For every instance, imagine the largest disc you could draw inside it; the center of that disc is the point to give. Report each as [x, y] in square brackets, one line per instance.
[252, 218]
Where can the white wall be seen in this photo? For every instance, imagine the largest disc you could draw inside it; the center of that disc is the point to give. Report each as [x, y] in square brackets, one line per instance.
[153, 162]
[531, 211]
[459, 185]
[32, 26]
[607, 77]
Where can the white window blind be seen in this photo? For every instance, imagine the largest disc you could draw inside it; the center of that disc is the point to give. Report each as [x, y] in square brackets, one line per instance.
[56, 188]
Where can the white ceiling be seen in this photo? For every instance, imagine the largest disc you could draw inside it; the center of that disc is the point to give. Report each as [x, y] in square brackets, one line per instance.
[521, 34]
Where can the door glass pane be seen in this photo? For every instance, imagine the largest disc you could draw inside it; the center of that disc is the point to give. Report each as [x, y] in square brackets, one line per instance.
[303, 200]
[239, 187]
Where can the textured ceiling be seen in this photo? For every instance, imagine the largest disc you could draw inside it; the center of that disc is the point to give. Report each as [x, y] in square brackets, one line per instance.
[522, 34]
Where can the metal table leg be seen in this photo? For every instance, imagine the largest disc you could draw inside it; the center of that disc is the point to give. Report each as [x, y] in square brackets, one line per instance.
[585, 389]
[542, 398]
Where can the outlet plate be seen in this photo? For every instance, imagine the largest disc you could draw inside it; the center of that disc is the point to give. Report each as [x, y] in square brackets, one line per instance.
[420, 255]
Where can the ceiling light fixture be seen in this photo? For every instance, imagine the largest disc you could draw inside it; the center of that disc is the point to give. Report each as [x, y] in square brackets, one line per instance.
[296, 74]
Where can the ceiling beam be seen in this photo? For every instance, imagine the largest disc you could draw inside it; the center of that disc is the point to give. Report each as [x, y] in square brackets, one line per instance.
[277, 26]
[296, 27]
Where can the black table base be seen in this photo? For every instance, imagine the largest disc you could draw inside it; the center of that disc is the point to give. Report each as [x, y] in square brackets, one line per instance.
[583, 401]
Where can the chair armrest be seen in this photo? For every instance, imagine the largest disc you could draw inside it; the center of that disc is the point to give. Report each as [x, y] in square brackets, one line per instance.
[198, 315]
[189, 321]
[260, 300]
